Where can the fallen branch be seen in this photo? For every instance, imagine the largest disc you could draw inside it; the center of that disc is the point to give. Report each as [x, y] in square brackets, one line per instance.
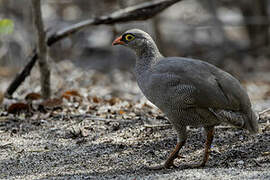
[139, 12]
[21, 77]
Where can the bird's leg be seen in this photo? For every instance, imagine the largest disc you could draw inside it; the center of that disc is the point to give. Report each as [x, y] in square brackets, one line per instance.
[209, 139]
[174, 154]
[172, 157]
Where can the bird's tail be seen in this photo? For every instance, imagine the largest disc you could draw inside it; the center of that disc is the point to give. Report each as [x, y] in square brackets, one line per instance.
[251, 123]
[247, 121]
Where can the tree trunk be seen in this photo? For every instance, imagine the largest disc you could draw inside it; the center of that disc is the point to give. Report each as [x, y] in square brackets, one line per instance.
[42, 50]
[257, 32]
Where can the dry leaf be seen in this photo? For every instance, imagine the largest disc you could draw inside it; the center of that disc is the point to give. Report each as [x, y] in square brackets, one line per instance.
[32, 96]
[113, 101]
[96, 99]
[17, 108]
[68, 94]
[145, 105]
[51, 104]
[121, 112]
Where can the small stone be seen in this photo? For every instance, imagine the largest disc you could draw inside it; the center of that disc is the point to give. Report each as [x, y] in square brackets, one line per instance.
[241, 162]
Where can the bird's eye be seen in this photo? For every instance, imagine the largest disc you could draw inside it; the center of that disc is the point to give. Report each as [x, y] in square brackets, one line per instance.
[129, 37]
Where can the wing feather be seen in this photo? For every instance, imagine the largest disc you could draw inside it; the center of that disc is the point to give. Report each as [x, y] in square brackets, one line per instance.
[211, 87]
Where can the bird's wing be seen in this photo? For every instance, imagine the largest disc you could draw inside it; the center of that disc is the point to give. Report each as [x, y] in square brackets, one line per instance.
[202, 84]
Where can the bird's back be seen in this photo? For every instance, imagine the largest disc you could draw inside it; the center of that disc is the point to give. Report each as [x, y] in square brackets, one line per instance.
[208, 86]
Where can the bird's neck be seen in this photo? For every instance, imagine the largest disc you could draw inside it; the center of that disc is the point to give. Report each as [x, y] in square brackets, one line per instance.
[148, 56]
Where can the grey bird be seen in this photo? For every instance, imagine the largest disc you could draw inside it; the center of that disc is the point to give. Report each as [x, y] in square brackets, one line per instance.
[190, 92]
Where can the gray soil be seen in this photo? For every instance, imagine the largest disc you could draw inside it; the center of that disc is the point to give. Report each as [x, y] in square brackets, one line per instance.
[118, 138]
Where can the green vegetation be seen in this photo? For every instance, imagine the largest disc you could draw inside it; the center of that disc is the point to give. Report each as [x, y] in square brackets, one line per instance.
[6, 26]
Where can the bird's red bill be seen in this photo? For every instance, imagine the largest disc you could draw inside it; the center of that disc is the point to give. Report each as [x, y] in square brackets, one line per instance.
[118, 41]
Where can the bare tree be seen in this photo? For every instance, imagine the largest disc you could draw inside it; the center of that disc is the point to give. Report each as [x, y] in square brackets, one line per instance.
[42, 50]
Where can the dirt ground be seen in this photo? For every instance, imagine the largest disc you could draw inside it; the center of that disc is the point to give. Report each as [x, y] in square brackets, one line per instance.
[112, 132]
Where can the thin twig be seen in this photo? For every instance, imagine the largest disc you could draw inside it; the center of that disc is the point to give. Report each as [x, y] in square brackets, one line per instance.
[225, 127]
[256, 162]
[108, 120]
[4, 146]
[264, 111]
[157, 125]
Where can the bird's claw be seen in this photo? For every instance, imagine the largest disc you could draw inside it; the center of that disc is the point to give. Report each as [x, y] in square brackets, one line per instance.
[169, 165]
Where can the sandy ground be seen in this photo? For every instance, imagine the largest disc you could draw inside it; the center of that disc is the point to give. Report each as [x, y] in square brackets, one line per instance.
[109, 150]
[106, 138]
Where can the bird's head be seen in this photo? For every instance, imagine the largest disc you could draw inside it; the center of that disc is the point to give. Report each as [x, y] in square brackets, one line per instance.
[140, 42]
[133, 39]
